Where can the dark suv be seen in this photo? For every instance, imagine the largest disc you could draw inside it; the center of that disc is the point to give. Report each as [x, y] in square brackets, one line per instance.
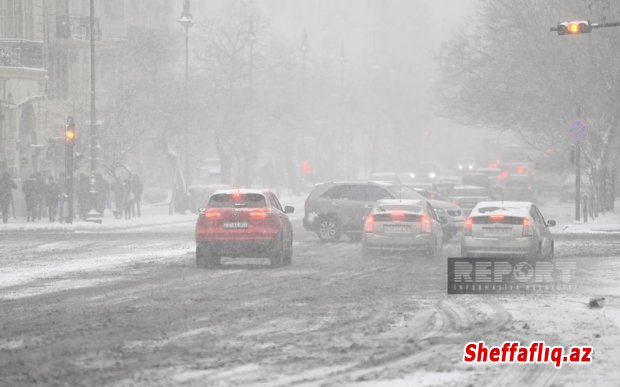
[340, 207]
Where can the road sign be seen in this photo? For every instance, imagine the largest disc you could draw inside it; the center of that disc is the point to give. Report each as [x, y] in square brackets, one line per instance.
[578, 130]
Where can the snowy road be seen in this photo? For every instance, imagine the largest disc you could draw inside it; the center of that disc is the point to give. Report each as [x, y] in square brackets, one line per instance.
[131, 309]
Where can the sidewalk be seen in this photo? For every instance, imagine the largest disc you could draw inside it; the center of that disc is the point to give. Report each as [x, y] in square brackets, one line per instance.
[152, 215]
[564, 214]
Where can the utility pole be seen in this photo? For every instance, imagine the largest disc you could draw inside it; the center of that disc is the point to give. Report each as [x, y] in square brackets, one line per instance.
[186, 21]
[577, 181]
[93, 215]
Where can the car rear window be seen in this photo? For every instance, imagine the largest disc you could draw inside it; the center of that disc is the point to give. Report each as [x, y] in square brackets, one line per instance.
[405, 192]
[398, 207]
[234, 200]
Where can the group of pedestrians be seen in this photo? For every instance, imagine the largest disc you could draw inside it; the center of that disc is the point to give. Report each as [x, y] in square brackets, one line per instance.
[47, 197]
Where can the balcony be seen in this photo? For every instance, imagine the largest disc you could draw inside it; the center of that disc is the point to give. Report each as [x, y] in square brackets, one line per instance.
[21, 53]
[76, 27]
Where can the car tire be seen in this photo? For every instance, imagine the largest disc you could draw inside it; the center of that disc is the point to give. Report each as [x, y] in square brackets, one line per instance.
[277, 256]
[201, 258]
[329, 229]
[288, 254]
[431, 249]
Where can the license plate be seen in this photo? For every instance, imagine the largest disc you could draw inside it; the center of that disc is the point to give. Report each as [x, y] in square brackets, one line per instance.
[496, 231]
[236, 225]
[396, 229]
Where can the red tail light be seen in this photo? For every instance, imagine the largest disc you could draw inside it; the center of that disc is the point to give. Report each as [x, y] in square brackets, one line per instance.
[397, 216]
[258, 215]
[212, 215]
[369, 225]
[426, 225]
[527, 228]
[469, 225]
[456, 202]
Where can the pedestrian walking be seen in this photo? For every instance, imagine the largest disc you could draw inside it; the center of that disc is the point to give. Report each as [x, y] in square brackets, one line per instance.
[29, 188]
[39, 195]
[52, 196]
[7, 185]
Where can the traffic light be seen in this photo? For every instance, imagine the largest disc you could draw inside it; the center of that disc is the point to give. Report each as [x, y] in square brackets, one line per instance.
[70, 131]
[574, 27]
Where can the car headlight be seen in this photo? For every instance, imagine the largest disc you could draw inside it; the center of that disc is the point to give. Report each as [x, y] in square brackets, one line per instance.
[432, 175]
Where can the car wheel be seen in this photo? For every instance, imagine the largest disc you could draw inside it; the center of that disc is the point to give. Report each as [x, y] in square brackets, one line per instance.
[288, 255]
[201, 258]
[277, 256]
[329, 229]
[431, 249]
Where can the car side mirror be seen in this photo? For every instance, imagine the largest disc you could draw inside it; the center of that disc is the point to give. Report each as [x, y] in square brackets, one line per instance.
[289, 209]
[551, 223]
[200, 210]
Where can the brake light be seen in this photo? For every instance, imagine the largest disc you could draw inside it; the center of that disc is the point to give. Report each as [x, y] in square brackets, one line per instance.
[369, 225]
[212, 214]
[397, 216]
[469, 225]
[236, 195]
[527, 228]
[426, 225]
[257, 215]
[456, 202]
[497, 218]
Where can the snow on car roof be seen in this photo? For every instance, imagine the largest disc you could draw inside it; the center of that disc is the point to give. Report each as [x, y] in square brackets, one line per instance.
[504, 208]
[241, 191]
[472, 187]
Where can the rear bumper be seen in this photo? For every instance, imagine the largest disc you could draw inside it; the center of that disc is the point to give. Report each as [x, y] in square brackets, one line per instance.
[392, 242]
[258, 248]
[497, 247]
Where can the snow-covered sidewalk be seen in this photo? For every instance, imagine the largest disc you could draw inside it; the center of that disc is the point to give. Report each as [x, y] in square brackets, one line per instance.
[152, 215]
[564, 213]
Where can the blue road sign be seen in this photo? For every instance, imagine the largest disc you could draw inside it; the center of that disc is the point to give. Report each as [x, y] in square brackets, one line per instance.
[578, 130]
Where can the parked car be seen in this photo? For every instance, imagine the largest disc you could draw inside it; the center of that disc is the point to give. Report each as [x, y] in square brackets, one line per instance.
[507, 229]
[335, 208]
[244, 223]
[403, 226]
[467, 196]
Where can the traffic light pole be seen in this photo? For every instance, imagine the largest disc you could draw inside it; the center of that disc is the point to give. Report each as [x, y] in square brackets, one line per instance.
[93, 214]
[577, 181]
[69, 141]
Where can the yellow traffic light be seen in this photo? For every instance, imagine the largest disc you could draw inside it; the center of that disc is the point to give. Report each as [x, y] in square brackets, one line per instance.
[573, 28]
[70, 134]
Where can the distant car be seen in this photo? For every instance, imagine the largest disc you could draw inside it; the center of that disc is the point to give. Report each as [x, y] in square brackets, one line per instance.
[443, 184]
[519, 188]
[427, 171]
[479, 179]
[340, 207]
[451, 216]
[507, 229]
[404, 226]
[467, 196]
[422, 185]
[244, 223]
[466, 165]
[428, 194]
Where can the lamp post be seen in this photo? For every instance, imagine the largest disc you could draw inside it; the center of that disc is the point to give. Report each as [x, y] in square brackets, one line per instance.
[186, 21]
[93, 214]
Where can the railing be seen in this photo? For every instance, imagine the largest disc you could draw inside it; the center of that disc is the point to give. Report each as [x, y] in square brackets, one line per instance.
[76, 27]
[21, 53]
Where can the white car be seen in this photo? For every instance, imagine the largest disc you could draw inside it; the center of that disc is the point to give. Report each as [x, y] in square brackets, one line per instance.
[507, 229]
[404, 226]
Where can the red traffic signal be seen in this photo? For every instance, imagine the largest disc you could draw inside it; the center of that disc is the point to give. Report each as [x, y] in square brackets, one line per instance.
[574, 27]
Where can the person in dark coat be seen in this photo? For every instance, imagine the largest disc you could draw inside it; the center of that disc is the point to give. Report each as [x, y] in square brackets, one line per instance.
[137, 188]
[52, 195]
[7, 185]
[29, 188]
[39, 195]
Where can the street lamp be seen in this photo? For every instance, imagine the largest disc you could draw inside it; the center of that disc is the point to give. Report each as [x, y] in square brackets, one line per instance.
[186, 21]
